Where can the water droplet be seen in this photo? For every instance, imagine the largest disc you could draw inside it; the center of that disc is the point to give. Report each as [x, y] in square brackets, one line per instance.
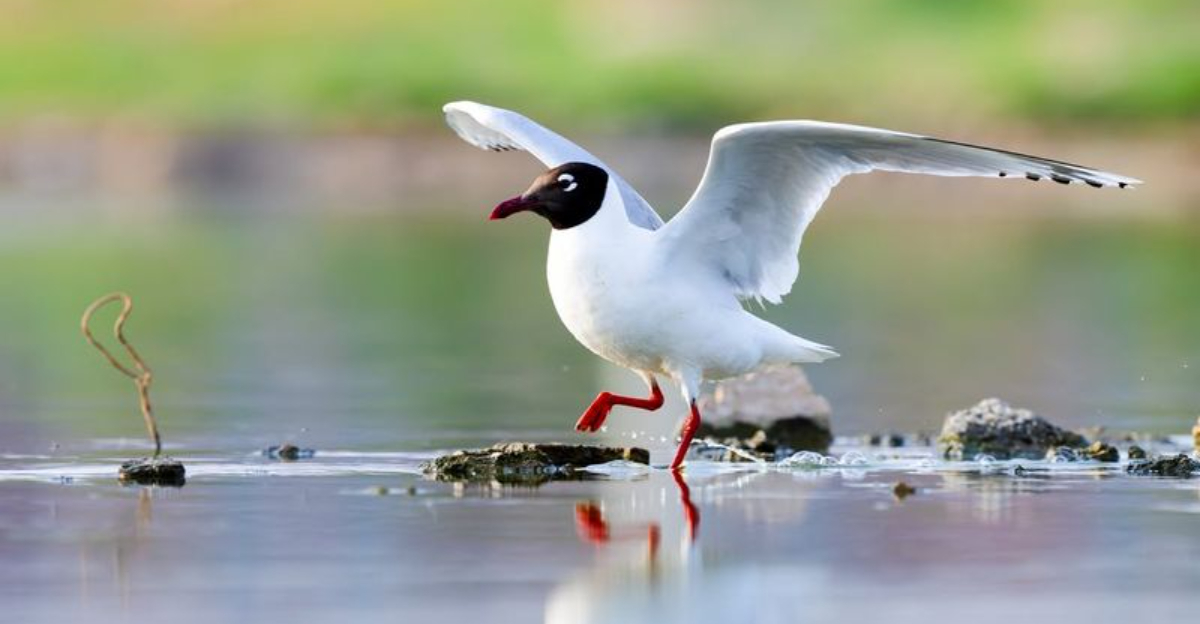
[854, 458]
[805, 458]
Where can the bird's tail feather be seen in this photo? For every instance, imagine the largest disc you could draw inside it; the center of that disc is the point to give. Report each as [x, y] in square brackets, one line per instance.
[794, 349]
[809, 351]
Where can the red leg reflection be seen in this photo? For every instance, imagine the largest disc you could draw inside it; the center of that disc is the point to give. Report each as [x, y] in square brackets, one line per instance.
[590, 523]
[593, 528]
[594, 416]
[691, 515]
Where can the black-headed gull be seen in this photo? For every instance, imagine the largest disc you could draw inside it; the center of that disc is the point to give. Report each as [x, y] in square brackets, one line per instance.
[666, 299]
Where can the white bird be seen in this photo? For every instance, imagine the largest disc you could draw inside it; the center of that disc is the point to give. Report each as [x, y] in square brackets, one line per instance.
[666, 299]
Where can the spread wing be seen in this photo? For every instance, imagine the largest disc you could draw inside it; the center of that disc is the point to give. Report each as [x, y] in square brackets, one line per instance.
[765, 182]
[496, 129]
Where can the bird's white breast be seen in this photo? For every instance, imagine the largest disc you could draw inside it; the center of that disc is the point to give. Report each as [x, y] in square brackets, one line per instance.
[600, 290]
[619, 300]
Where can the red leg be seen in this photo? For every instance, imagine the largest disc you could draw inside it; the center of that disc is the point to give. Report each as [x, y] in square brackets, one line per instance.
[593, 418]
[689, 430]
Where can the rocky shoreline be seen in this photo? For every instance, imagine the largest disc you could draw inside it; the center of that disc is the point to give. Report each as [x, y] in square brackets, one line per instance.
[774, 416]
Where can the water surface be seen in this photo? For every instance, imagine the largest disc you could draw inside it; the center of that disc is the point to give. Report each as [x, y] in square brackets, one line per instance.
[363, 536]
[383, 340]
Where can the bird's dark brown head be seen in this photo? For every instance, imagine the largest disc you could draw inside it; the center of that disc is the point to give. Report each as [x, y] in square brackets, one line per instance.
[566, 196]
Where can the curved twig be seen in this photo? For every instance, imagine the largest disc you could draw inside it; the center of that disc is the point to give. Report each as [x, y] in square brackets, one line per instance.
[139, 373]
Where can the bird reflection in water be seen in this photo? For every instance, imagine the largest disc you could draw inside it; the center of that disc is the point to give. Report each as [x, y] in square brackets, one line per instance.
[592, 526]
[657, 518]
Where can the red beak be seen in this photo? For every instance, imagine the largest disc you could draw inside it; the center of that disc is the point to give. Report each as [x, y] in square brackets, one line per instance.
[511, 206]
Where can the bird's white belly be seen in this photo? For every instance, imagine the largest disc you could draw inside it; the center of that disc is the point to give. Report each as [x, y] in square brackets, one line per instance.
[609, 314]
[640, 320]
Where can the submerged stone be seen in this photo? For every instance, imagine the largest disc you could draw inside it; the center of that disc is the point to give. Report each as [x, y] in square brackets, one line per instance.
[903, 490]
[768, 413]
[888, 439]
[153, 471]
[1176, 466]
[527, 463]
[993, 427]
[1137, 452]
[288, 452]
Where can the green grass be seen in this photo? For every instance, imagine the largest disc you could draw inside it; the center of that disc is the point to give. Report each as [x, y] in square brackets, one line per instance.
[374, 63]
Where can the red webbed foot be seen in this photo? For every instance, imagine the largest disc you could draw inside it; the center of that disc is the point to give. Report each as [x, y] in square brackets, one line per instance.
[594, 416]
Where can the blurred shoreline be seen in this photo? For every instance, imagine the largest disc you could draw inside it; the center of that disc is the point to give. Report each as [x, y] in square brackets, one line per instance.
[68, 170]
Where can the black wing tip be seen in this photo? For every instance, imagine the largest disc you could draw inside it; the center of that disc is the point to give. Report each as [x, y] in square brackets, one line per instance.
[1033, 176]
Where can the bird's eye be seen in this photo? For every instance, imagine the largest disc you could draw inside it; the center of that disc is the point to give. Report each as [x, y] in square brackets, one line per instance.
[567, 182]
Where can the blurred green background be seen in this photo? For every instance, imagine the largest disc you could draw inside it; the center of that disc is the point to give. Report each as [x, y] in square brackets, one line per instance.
[675, 63]
[272, 182]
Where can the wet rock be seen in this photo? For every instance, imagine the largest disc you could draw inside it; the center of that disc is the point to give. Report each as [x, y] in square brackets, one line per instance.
[993, 427]
[760, 442]
[527, 463]
[153, 471]
[1062, 454]
[1098, 451]
[1102, 452]
[288, 452]
[903, 490]
[1137, 452]
[1177, 466]
[770, 412]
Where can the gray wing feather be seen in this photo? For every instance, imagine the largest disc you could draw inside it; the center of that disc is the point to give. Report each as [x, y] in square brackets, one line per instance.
[765, 182]
[497, 129]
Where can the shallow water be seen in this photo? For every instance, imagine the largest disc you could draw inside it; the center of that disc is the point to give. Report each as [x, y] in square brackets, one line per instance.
[363, 536]
[380, 341]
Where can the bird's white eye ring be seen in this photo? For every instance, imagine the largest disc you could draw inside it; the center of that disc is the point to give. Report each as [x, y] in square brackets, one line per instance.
[569, 181]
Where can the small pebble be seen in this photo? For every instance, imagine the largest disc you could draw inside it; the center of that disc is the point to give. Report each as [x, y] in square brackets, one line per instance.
[903, 490]
[1102, 452]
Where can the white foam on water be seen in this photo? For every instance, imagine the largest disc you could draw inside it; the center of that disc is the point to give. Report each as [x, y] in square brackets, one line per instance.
[60, 472]
[619, 469]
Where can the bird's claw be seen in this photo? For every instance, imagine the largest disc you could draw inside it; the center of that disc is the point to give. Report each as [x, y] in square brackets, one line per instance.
[592, 419]
[587, 426]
